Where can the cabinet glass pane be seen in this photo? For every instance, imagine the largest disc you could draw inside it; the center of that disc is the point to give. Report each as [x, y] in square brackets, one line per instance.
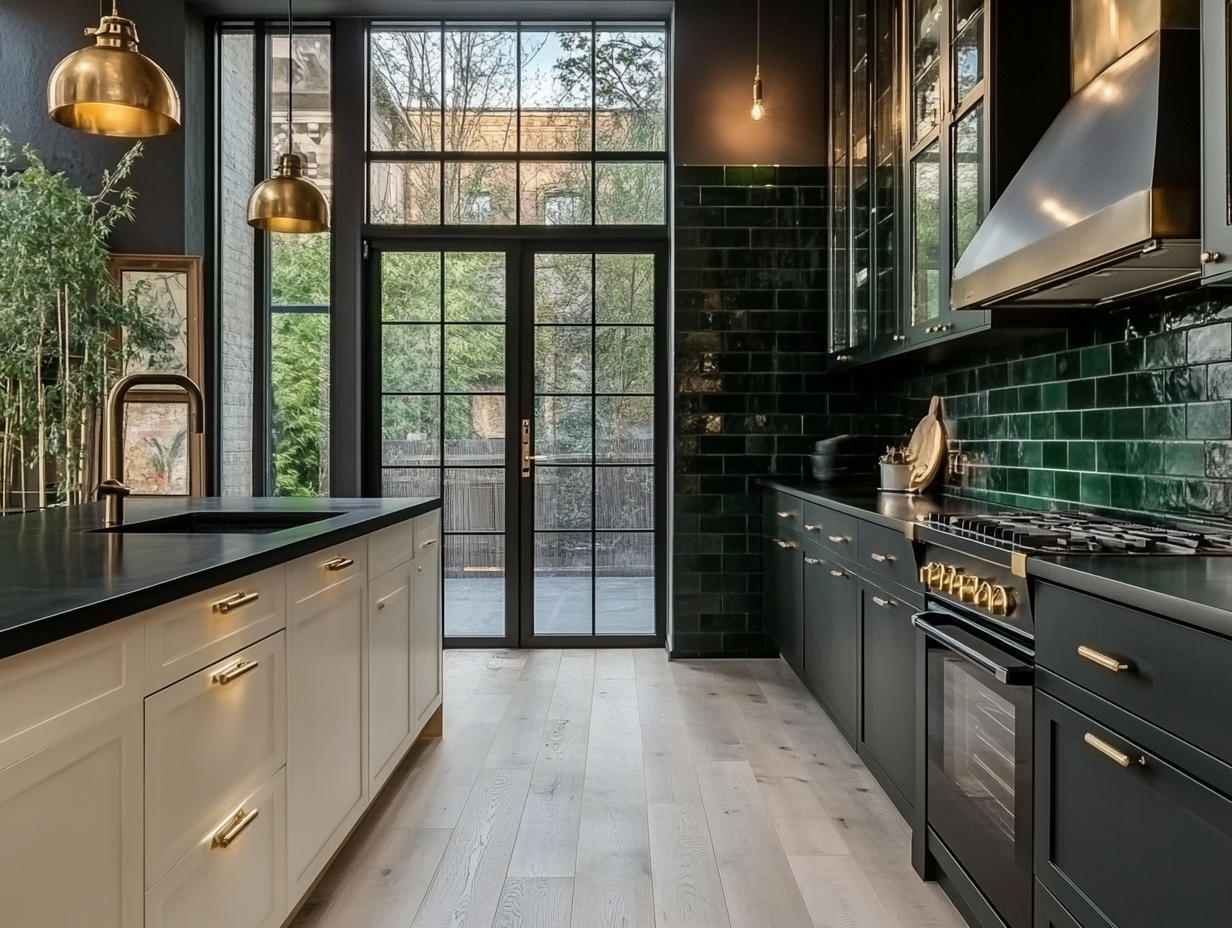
[968, 178]
[861, 179]
[840, 145]
[968, 47]
[926, 67]
[886, 312]
[926, 235]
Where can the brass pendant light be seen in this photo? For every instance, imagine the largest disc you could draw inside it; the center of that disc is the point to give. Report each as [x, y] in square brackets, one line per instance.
[759, 108]
[111, 88]
[288, 201]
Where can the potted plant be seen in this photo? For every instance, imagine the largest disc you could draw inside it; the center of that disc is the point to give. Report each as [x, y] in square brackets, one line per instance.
[895, 469]
[60, 316]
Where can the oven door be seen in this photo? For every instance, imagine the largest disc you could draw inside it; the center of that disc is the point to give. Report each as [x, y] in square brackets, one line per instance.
[979, 745]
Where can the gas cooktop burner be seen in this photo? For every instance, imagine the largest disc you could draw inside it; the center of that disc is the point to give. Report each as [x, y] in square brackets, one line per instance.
[1079, 533]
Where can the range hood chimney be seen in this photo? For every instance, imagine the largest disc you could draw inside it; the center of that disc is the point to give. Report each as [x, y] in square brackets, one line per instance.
[1108, 205]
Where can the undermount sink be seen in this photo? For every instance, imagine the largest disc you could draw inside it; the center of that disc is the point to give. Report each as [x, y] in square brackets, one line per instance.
[220, 523]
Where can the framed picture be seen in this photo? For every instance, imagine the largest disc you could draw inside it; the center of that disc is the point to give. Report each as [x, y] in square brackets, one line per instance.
[158, 448]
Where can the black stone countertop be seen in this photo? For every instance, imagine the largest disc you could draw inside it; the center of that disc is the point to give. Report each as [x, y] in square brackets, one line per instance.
[1193, 589]
[58, 579]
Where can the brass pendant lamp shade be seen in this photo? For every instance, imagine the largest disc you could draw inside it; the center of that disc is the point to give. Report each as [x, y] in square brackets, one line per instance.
[111, 88]
[288, 201]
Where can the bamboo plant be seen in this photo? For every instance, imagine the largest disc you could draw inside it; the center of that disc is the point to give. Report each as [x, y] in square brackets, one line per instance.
[61, 315]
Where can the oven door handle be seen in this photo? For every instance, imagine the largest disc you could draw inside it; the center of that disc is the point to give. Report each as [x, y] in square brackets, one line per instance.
[1009, 672]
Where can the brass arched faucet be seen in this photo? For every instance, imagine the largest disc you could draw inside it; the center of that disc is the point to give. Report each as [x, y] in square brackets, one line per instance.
[112, 489]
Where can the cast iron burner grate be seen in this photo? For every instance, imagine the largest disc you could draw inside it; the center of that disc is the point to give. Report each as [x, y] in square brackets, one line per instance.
[1080, 533]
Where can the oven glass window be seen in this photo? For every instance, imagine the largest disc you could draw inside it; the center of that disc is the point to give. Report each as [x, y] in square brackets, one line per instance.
[979, 756]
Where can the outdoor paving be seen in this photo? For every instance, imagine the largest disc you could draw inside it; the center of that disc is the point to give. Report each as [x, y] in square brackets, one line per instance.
[623, 606]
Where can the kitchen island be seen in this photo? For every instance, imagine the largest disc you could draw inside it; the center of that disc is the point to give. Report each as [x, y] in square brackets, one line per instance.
[197, 707]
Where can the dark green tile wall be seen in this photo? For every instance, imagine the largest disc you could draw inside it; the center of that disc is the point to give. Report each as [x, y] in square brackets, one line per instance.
[1131, 411]
[750, 338]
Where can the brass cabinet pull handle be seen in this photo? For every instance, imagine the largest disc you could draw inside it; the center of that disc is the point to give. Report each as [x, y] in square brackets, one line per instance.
[837, 573]
[786, 514]
[234, 601]
[234, 671]
[884, 603]
[1117, 757]
[232, 830]
[838, 539]
[812, 528]
[808, 559]
[339, 563]
[882, 558]
[428, 544]
[380, 603]
[785, 545]
[1103, 660]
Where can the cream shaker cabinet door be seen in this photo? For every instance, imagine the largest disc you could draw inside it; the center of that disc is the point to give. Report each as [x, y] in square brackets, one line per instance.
[71, 823]
[326, 707]
[428, 643]
[234, 874]
[211, 739]
[390, 671]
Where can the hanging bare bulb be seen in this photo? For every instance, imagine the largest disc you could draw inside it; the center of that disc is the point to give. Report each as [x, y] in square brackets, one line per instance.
[759, 108]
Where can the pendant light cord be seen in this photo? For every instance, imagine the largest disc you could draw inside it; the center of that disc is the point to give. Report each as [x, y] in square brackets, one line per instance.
[758, 36]
[291, 77]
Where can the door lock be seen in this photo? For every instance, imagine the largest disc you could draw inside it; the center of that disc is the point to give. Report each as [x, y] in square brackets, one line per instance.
[526, 458]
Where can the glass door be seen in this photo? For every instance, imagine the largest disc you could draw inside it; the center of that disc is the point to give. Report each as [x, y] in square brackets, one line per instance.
[518, 384]
[592, 506]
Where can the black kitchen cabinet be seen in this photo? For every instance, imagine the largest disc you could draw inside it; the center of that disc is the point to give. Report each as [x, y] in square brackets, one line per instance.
[888, 684]
[1124, 838]
[1049, 913]
[784, 596]
[921, 147]
[1216, 152]
[832, 636]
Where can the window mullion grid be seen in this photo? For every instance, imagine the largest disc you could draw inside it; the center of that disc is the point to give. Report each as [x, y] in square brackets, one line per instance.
[440, 404]
[517, 169]
[594, 446]
[441, 161]
[594, 124]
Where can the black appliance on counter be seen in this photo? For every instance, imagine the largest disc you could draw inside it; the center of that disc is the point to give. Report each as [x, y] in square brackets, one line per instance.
[974, 807]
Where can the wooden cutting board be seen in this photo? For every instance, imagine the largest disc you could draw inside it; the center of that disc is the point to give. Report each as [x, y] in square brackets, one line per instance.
[926, 451]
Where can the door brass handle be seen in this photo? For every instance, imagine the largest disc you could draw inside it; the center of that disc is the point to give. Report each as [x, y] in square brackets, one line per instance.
[837, 573]
[1103, 660]
[786, 514]
[785, 545]
[234, 601]
[234, 671]
[882, 558]
[525, 447]
[838, 539]
[812, 561]
[230, 831]
[339, 563]
[884, 603]
[1117, 757]
[812, 528]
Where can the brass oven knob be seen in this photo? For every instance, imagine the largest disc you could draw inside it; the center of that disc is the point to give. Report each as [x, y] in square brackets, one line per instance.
[930, 574]
[1003, 601]
[983, 596]
[967, 588]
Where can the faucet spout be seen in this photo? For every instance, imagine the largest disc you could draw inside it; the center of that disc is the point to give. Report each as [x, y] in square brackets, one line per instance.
[112, 489]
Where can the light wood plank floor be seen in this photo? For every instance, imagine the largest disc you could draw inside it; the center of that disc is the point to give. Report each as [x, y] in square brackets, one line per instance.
[613, 789]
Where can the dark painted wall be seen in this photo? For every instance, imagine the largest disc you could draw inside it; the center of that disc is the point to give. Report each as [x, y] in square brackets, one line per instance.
[715, 60]
[34, 36]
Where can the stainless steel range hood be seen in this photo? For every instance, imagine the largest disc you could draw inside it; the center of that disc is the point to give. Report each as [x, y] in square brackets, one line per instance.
[1108, 204]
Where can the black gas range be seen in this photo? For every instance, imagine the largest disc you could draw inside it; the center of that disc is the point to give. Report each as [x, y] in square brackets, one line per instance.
[978, 654]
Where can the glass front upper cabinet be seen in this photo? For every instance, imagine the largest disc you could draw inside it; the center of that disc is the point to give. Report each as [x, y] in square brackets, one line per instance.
[946, 151]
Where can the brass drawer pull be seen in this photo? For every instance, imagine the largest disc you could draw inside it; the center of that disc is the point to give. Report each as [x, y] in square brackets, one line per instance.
[882, 558]
[812, 561]
[339, 563]
[837, 573]
[786, 514]
[234, 601]
[234, 671]
[785, 545]
[811, 528]
[1103, 660]
[431, 543]
[380, 603]
[1117, 757]
[838, 539]
[884, 603]
[232, 830]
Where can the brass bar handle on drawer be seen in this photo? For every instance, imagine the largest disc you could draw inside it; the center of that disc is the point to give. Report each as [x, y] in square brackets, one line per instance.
[786, 514]
[234, 671]
[811, 528]
[884, 603]
[785, 545]
[882, 558]
[1103, 660]
[430, 543]
[230, 831]
[234, 601]
[837, 573]
[812, 561]
[1117, 757]
[838, 539]
[339, 563]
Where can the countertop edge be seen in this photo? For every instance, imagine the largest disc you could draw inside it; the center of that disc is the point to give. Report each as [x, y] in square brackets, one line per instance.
[60, 625]
[858, 512]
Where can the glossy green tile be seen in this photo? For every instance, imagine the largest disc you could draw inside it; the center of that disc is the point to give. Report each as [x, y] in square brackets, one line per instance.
[1110, 391]
[1127, 356]
[1082, 455]
[1030, 399]
[1043, 425]
[1163, 422]
[1096, 490]
[1081, 394]
[1165, 350]
[1210, 343]
[1219, 381]
[1096, 361]
[1055, 455]
[1042, 484]
[1068, 424]
[1031, 454]
[1184, 459]
[1068, 486]
[1055, 396]
[1127, 423]
[1127, 492]
[1097, 424]
[1209, 420]
[1111, 457]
